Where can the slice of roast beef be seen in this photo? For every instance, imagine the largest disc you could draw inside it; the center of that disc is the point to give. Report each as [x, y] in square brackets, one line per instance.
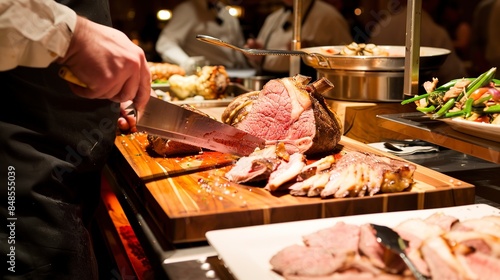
[358, 174]
[166, 147]
[255, 167]
[311, 187]
[489, 225]
[341, 238]
[286, 171]
[473, 241]
[416, 231]
[443, 221]
[442, 262]
[480, 266]
[291, 111]
[305, 261]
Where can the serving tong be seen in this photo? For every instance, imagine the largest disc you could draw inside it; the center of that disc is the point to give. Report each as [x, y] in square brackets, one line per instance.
[392, 241]
[219, 42]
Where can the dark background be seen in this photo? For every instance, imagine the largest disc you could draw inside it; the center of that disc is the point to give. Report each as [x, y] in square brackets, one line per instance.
[137, 18]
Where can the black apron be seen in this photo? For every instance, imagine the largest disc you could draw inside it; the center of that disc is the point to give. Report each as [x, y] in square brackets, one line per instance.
[56, 143]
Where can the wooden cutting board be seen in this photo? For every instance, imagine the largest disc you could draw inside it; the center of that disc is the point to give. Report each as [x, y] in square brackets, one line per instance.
[187, 196]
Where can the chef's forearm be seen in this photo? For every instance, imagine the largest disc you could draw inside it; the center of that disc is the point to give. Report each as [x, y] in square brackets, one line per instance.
[173, 54]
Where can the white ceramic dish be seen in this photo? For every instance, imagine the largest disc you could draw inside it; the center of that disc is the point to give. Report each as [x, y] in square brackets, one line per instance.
[246, 251]
[481, 130]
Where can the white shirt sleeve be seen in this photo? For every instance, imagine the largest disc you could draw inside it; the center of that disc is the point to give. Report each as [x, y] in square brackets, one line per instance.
[34, 33]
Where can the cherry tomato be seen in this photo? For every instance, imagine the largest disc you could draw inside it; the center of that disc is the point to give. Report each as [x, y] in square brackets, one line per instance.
[479, 92]
[483, 119]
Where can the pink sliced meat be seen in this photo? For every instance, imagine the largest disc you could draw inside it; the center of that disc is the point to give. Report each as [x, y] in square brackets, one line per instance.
[291, 111]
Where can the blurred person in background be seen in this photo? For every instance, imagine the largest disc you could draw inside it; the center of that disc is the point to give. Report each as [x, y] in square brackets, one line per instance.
[392, 31]
[322, 25]
[492, 54]
[480, 37]
[455, 18]
[57, 136]
[177, 42]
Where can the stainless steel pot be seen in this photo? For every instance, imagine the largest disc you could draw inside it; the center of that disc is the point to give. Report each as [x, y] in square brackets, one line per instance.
[256, 82]
[370, 78]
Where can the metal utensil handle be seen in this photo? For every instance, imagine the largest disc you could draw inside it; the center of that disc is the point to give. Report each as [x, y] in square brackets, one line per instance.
[412, 267]
[275, 52]
[219, 42]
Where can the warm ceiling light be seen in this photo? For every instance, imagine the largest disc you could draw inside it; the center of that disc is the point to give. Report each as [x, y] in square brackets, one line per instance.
[164, 15]
[235, 11]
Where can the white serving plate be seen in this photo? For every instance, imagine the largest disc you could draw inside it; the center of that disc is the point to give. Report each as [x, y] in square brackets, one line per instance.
[481, 130]
[246, 251]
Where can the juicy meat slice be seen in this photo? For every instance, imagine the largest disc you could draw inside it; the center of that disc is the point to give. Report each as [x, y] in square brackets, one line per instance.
[441, 261]
[480, 266]
[291, 111]
[340, 238]
[489, 225]
[360, 174]
[370, 247]
[473, 241]
[305, 261]
[443, 221]
[255, 167]
[376, 253]
[166, 147]
[415, 231]
[311, 187]
[286, 171]
[316, 167]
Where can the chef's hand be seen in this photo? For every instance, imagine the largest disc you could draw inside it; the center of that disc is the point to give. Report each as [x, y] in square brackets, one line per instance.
[128, 119]
[109, 64]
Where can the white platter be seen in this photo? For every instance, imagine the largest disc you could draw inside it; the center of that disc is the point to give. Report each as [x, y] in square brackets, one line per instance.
[246, 251]
[481, 130]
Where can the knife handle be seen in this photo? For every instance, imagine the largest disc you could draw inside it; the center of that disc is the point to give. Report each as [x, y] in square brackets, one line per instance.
[67, 75]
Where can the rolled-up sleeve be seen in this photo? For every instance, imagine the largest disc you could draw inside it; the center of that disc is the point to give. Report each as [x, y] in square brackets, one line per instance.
[34, 33]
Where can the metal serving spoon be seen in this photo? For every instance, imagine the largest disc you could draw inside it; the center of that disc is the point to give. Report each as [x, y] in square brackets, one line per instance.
[391, 239]
[219, 42]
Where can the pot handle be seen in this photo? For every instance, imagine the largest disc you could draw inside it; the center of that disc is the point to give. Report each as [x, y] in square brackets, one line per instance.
[321, 60]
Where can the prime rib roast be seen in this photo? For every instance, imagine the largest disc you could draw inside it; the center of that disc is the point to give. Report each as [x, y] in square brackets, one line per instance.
[291, 111]
[441, 246]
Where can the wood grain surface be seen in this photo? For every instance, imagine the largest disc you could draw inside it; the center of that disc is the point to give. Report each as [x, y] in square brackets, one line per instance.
[187, 196]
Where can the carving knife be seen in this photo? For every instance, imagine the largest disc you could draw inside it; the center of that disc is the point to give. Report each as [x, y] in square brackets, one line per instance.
[179, 124]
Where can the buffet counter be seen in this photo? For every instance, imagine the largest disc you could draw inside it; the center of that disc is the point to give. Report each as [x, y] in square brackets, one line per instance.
[155, 214]
[419, 126]
[157, 205]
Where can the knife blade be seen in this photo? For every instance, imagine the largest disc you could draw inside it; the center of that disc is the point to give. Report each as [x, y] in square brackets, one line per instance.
[176, 123]
[392, 241]
[173, 122]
